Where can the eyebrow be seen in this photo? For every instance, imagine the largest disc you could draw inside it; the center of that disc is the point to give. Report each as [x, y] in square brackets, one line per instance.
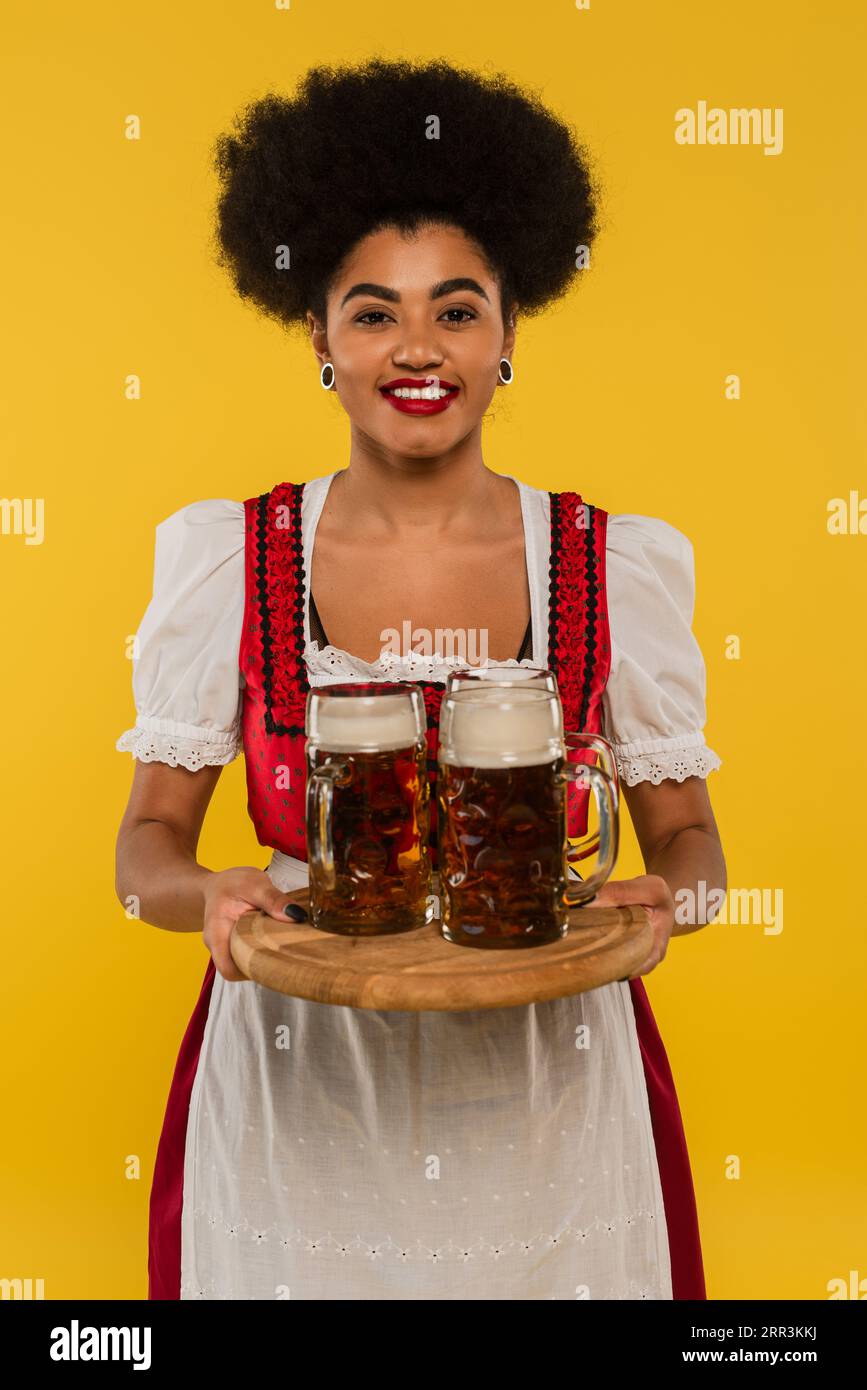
[460, 282]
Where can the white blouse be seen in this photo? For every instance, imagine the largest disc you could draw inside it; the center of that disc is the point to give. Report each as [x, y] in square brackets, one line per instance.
[187, 684]
[360, 1154]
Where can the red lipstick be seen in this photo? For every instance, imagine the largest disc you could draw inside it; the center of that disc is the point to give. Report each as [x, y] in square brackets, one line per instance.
[433, 402]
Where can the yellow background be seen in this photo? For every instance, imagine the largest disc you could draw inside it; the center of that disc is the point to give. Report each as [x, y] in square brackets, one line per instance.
[711, 260]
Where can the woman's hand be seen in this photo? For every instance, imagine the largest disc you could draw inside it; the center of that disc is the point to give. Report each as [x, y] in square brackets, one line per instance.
[228, 895]
[653, 893]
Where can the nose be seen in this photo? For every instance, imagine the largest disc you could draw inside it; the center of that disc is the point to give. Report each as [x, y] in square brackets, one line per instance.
[418, 357]
[418, 349]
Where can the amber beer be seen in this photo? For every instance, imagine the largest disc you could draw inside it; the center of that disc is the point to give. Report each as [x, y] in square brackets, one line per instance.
[503, 834]
[368, 808]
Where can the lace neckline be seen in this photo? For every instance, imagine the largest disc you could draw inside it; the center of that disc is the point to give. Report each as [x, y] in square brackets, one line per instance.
[336, 664]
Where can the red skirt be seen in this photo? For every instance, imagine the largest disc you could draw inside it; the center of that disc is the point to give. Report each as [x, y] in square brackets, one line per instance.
[681, 1218]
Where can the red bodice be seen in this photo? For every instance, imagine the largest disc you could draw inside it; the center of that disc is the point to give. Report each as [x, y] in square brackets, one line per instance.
[272, 655]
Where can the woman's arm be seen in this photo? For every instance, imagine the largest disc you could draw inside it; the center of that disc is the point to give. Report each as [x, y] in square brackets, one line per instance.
[680, 842]
[681, 847]
[156, 863]
[155, 857]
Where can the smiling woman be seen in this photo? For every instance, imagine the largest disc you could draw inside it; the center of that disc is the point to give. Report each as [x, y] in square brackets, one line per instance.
[405, 151]
[317, 1152]
[420, 319]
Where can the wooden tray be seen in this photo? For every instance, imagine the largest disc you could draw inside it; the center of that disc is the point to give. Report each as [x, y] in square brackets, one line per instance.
[420, 970]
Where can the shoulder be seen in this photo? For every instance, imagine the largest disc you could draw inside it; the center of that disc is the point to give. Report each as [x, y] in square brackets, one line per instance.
[655, 699]
[626, 531]
[210, 516]
[646, 554]
[212, 529]
[186, 678]
[630, 531]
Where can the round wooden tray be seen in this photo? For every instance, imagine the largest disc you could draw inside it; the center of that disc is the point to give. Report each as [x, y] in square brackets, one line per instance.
[421, 970]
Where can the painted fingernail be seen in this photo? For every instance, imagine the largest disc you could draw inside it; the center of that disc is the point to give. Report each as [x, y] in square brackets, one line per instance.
[297, 913]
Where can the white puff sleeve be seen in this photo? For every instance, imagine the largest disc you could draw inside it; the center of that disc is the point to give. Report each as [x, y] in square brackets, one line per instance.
[654, 702]
[186, 679]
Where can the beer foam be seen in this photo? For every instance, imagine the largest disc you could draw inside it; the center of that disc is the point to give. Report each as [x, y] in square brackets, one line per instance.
[481, 689]
[375, 724]
[500, 728]
[493, 675]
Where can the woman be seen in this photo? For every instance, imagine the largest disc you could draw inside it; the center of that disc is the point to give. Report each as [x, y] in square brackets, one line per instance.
[406, 216]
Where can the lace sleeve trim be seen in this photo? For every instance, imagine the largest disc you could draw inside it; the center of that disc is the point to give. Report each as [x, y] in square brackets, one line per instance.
[653, 760]
[182, 745]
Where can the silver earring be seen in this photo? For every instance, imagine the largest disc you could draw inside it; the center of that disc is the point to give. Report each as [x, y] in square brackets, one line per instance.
[327, 367]
[506, 380]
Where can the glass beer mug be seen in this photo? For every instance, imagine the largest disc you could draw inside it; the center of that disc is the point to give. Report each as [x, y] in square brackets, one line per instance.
[489, 680]
[497, 677]
[588, 746]
[503, 826]
[368, 808]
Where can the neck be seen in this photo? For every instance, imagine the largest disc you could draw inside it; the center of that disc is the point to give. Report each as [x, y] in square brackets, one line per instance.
[392, 492]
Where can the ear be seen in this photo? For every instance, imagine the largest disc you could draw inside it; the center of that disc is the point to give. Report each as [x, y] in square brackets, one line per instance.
[318, 337]
[510, 329]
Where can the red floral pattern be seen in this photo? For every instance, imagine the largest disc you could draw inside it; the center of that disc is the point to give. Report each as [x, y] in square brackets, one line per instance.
[579, 646]
[271, 661]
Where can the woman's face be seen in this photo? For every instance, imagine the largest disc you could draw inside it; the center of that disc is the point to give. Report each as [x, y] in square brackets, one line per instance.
[424, 309]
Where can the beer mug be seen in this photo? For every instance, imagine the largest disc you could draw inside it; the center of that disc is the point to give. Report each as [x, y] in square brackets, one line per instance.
[496, 677]
[590, 746]
[491, 679]
[368, 808]
[502, 815]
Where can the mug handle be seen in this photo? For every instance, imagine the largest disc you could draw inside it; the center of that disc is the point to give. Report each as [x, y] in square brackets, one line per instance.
[595, 743]
[606, 799]
[320, 802]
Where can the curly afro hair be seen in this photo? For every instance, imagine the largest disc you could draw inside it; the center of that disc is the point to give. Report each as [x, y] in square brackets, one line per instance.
[350, 154]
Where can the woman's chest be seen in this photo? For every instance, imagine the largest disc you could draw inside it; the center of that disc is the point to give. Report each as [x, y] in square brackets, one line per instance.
[369, 597]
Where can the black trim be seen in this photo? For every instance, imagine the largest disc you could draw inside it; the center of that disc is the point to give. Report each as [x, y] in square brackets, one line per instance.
[591, 614]
[264, 612]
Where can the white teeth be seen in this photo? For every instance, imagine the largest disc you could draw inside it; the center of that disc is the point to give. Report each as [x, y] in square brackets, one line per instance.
[425, 393]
